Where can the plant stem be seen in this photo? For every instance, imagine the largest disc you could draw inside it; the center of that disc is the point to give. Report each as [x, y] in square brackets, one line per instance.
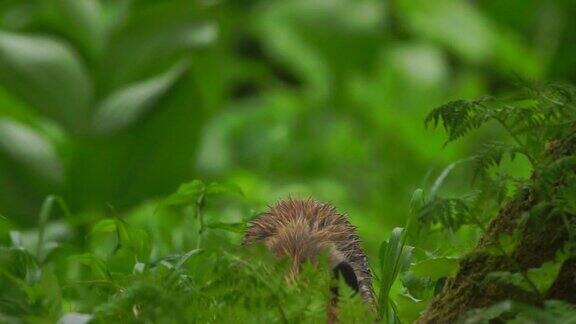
[518, 141]
[43, 219]
[200, 219]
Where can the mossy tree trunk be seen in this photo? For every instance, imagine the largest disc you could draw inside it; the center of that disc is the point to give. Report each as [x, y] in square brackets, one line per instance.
[539, 240]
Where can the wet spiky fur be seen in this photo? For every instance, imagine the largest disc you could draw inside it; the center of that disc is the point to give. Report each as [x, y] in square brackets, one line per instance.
[300, 229]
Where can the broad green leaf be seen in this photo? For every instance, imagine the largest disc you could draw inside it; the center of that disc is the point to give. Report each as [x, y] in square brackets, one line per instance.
[509, 242]
[394, 258]
[483, 315]
[126, 106]
[286, 42]
[390, 251]
[48, 75]
[82, 20]
[509, 278]
[539, 279]
[187, 193]
[534, 315]
[417, 201]
[153, 42]
[5, 227]
[435, 268]
[216, 188]
[194, 191]
[409, 308]
[96, 264]
[134, 239]
[544, 276]
[444, 175]
[230, 227]
[31, 149]
[300, 33]
[104, 226]
[43, 248]
[406, 258]
[382, 253]
[19, 263]
[48, 291]
[516, 55]
[456, 24]
[182, 260]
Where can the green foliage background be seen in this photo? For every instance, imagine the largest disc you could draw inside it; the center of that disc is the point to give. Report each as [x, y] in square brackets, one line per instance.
[111, 105]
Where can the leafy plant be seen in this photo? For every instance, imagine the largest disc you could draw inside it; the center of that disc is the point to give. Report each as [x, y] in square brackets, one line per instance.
[539, 121]
[554, 312]
[394, 258]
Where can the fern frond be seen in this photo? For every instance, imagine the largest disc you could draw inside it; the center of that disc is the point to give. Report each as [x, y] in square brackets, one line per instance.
[492, 155]
[461, 116]
[450, 213]
[554, 174]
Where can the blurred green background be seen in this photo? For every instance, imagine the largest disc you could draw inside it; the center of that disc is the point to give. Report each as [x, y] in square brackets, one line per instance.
[113, 103]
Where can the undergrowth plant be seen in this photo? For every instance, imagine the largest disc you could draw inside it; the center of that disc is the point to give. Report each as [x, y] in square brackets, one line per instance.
[539, 120]
[171, 261]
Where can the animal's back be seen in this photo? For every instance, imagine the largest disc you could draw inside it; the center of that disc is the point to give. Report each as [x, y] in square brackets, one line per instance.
[301, 229]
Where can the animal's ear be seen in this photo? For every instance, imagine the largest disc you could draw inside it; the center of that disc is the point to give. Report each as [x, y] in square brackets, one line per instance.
[344, 270]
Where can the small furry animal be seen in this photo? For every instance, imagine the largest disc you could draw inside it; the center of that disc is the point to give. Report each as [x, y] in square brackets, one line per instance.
[301, 229]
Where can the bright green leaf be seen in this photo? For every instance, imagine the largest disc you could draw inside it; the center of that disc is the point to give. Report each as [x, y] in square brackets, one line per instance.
[435, 268]
[83, 20]
[31, 149]
[216, 188]
[509, 278]
[104, 226]
[409, 308]
[129, 104]
[230, 227]
[187, 193]
[394, 258]
[96, 264]
[136, 240]
[48, 75]
[182, 260]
